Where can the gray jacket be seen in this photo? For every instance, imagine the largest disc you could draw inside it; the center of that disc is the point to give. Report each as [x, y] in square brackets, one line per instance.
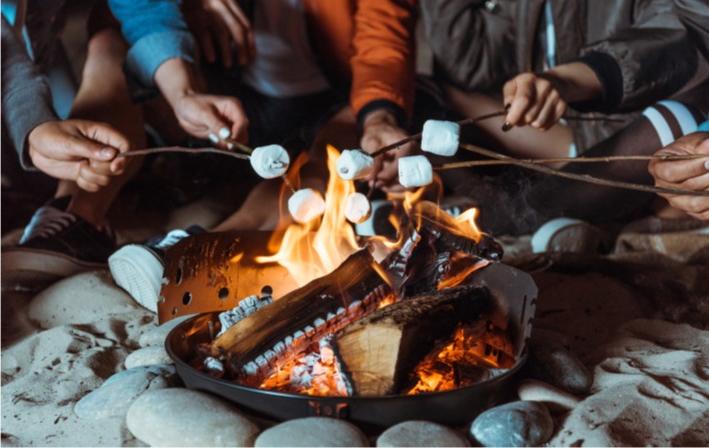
[641, 50]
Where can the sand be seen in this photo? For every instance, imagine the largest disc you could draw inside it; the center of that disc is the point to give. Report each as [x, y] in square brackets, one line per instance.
[651, 381]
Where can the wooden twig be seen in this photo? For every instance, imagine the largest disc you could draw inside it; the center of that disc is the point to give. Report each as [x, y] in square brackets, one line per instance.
[466, 121]
[238, 145]
[180, 149]
[582, 177]
[598, 159]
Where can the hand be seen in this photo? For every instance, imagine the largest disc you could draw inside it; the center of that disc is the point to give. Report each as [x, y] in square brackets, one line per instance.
[78, 150]
[380, 129]
[202, 115]
[687, 174]
[218, 23]
[540, 100]
[199, 114]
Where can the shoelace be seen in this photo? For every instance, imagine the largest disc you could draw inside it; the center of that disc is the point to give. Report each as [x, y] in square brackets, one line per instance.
[47, 221]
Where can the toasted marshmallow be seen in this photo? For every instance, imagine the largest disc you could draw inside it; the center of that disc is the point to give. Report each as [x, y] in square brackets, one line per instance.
[305, 205]
[354, 164]
[440, 137]
[270, 161]
[415, 171]
[357, 208]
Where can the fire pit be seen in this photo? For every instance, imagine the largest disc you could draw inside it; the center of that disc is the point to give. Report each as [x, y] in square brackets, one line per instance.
[514, 294]
[430, 326]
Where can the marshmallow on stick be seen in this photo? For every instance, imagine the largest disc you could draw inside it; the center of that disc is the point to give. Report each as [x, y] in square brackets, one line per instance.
[357, 208]
[270, 161]
[305, 205]
[354, 164]
[415, 171]
[440, 137]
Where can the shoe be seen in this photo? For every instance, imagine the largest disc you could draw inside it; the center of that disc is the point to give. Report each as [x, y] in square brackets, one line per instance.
[138, 269]
[569, 235]
[56, 244]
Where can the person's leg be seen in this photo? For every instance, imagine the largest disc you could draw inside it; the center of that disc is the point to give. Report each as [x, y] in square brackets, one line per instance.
[104, 96]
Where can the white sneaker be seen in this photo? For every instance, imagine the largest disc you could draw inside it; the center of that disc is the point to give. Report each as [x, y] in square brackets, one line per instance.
[138, 269]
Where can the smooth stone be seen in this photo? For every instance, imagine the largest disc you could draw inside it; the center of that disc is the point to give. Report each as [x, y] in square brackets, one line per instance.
[118, 392]
[312, 431]
[553, 397]
[553, 363]
[82, 299]
[520, 423]
[184, 417]
[157, 335]
[420, 433]
[147, 356]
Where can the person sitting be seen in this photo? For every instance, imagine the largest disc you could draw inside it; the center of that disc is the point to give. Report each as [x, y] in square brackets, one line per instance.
[610, 82]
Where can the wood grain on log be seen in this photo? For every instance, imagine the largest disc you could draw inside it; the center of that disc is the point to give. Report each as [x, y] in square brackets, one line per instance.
[379, 351]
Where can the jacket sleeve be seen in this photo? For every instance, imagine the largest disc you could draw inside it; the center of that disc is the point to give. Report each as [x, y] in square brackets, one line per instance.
[466, 40]
[644, 63]
[26, 98]
[383, 61]
[695, 16]
[156, 31]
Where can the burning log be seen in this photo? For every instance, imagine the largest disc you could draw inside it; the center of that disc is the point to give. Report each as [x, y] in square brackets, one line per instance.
[269, 337]
[379, 351]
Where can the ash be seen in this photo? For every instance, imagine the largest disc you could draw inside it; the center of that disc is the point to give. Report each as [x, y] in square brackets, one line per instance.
[245, 308]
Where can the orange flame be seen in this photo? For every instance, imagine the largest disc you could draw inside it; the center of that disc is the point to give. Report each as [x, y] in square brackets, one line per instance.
[312, 250]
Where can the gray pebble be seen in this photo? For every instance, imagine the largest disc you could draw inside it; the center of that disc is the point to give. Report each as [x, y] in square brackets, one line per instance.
[553, 363]
[420, 433]
[312, 431]
[117, 393]
[520, 423]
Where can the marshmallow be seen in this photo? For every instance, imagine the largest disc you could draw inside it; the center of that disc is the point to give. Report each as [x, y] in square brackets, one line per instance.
[305, 205]
[354, 164]
[270, 161]
[415, 171]
[357, 208]
[440, 137]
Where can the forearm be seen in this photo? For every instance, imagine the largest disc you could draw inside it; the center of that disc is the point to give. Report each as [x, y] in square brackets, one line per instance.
[177, 78]
[576, 82]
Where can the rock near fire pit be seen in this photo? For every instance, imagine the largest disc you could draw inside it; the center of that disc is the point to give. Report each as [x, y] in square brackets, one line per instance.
[553, 363]
[183, 417]
[147, 356]
[420, 433]
[520, 423]
[312, 431]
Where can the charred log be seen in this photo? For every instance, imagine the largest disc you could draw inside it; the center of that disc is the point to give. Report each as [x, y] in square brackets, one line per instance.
[270, 336]
[379, 351]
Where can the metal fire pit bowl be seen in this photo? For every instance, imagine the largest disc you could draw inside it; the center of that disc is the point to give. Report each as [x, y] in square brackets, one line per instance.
[515, 294]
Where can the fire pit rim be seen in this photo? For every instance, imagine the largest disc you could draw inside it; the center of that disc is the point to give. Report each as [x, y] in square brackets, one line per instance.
[174, 333]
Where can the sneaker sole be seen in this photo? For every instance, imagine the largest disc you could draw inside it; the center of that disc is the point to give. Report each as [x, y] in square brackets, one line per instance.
[131, 270]
[21, 265]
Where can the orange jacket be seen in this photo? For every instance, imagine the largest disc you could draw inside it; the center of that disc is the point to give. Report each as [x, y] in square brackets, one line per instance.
[369, 44]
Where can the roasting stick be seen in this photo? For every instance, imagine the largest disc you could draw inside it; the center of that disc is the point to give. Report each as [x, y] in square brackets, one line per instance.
[473, 120]
[582, 177]
[598, 159]
[224, 152]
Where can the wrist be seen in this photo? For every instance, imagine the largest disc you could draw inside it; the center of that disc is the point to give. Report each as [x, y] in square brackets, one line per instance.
[176, 79]
[576, 82]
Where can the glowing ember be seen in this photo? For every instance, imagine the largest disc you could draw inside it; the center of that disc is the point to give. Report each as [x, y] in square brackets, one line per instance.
[464, 361]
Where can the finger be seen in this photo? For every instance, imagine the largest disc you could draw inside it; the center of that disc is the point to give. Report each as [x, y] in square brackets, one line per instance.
[545, 117]
[103, 168]
[88, 186]
[222, 36]
[237, 31]
[59, 169]
[233, 111]
[211, 119]
[542, 93]
[244, 21]
[205, 42]
[699, 183]
[90, 176]
[701, 216]
[690, 204]
[118, 166]
[523, 99]
[104, 134]
[677, 171]
[508, 92]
